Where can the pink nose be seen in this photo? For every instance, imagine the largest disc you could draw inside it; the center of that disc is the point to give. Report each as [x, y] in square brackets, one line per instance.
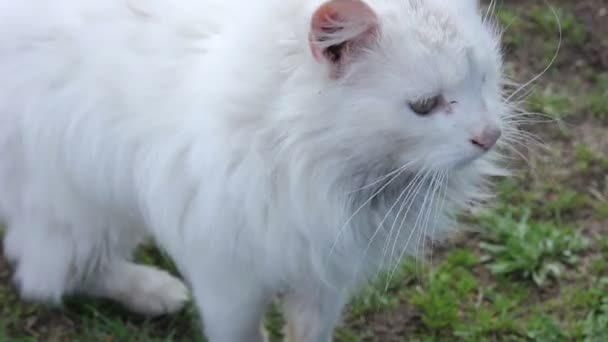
[487, 139]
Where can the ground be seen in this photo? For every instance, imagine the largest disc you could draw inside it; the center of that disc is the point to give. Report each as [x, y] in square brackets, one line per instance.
[535, 267]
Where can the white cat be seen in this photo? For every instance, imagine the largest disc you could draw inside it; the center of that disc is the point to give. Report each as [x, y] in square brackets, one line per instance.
[292, 146]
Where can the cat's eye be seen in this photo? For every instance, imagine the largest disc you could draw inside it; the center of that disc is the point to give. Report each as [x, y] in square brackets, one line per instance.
[425, 106]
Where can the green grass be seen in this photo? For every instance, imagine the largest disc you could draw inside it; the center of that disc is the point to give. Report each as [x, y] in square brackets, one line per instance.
[597, 100]
[531, 249]
[545, 20]
[558, 106]
[513, 25]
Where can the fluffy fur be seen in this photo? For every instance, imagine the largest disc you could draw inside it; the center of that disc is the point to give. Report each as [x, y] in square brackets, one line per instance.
[225, 130]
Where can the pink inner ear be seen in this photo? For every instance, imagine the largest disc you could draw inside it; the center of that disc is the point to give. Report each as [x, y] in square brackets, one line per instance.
[340, 21]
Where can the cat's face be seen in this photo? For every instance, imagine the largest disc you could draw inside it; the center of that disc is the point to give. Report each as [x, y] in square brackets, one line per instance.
[416, 80]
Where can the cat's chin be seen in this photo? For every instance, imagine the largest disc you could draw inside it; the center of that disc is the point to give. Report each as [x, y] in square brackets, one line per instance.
[465, 163]
[458, 163]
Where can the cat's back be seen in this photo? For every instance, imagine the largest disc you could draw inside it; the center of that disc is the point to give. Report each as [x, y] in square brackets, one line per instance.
[80, 80]
[93, 85]
[121, 54]
[125, 50]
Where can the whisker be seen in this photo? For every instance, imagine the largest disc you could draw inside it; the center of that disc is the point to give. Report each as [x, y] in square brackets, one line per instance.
[529, 114]
[416, 224]
[528, 121]
[444, 189]
[520, 154]
[408, 201]
[415, 184]
[383, 177]
[341, 230]
[378, 228]
[553, 59]
[526, 140]
[427, 219]
[490, 11]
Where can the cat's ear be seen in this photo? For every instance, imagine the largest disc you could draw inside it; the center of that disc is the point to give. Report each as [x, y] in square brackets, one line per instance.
[340, 30]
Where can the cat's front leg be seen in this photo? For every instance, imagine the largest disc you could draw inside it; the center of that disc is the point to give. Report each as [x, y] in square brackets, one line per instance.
[312, 314]
[232, 304]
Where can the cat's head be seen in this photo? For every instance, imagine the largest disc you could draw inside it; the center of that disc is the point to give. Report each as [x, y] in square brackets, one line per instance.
[412, 81]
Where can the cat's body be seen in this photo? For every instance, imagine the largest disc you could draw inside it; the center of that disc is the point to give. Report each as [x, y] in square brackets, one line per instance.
[228, 132]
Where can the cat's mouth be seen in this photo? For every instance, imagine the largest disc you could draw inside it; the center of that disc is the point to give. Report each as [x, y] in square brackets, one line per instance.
[454, 160]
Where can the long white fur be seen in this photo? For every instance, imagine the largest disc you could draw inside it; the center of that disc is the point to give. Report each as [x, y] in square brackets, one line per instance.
[208, 125]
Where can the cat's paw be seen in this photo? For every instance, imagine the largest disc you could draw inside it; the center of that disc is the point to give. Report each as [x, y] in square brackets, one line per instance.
[155, 293]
